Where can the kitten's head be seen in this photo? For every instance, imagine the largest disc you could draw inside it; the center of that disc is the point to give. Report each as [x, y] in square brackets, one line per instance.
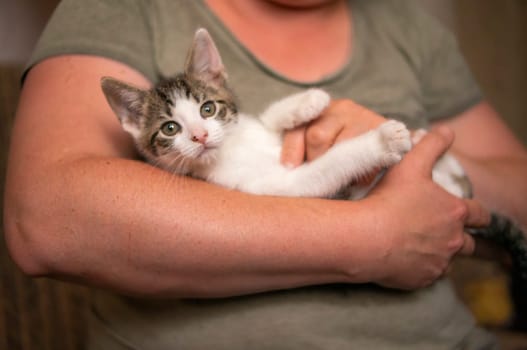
[180, 122]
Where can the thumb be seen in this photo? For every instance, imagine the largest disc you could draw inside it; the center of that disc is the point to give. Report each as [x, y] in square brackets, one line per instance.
[432, 146]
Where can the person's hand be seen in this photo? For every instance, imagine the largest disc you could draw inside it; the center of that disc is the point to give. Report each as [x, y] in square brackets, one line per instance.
[342, 119]
[424, 224]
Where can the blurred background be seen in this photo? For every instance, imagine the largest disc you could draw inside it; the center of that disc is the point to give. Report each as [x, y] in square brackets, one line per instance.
[49, 315]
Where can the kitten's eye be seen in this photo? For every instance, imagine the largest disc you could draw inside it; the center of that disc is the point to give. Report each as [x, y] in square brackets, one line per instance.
[170, 128]
[208, 109]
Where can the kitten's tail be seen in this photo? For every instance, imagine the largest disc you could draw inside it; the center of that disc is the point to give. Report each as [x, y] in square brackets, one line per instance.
[506, 234]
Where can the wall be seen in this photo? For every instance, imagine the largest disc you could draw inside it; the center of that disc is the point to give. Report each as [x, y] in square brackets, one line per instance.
[493, 37]
[20, 24]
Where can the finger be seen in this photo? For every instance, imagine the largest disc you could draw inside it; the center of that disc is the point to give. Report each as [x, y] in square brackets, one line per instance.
[364, 120]
[477, 215]
[293, 147]
[431, 147]
[469, 245]
[321, 134]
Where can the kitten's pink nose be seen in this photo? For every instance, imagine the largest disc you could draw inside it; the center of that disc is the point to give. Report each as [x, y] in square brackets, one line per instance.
[200, 137]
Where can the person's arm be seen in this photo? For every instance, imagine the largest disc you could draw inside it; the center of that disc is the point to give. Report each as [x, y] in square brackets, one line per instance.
[495, 161]
[79, 207]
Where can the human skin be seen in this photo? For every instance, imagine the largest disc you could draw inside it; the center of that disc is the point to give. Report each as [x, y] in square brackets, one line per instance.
[78, 206]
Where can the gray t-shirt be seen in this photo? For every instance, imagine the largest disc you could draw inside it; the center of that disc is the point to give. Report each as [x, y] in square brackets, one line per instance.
[404, 65]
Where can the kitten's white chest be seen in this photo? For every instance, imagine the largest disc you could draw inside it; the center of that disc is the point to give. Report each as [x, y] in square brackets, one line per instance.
[249, 151]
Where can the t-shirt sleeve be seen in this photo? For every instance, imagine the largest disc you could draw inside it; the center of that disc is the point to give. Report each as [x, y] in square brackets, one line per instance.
[447, 84]
[116, 29]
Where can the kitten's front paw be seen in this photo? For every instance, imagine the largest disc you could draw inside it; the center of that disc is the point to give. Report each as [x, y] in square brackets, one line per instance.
[311, 104]
[396, 141]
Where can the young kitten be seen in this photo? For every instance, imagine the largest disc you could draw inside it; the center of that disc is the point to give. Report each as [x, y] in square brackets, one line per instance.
[190, 125]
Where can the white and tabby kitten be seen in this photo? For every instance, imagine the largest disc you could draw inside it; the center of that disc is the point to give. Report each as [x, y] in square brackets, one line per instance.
[190, 125]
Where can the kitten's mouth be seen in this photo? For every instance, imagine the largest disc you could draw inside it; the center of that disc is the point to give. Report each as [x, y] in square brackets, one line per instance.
[205, 151]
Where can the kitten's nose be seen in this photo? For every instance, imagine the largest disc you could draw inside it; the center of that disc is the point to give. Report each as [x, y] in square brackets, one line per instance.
[200, 137]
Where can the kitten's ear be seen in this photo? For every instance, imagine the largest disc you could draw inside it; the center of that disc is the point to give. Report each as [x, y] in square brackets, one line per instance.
[126, 101]
[204, 61]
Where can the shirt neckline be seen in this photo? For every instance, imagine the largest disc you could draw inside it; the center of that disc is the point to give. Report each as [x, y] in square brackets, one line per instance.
[356, 50]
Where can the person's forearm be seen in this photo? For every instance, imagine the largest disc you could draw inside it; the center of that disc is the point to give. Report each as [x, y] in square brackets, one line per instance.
[125, 225]
[500, 184]
[76, 209]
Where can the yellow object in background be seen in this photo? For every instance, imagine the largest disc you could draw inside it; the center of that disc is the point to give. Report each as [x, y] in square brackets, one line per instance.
[489, 300]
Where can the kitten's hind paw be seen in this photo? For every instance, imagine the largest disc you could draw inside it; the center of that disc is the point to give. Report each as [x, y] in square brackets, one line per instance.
[396, 140]
[311, 103]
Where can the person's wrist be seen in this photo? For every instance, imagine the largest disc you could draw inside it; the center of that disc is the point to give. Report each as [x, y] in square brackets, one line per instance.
[373, 243]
